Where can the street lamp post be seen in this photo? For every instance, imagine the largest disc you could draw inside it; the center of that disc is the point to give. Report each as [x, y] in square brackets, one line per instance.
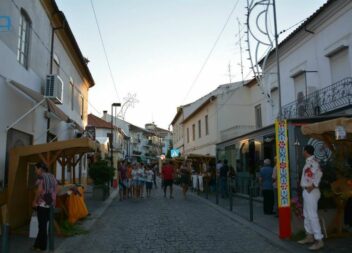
[112, 133]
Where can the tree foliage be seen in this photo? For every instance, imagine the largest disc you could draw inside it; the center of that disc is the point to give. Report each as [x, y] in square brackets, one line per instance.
[100, 172]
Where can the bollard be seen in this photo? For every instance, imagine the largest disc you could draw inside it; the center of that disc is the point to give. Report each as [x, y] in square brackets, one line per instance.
[230, 194]
[251, 202]
[5, 238]
[207, 186]
[217, 190]
[51, 228]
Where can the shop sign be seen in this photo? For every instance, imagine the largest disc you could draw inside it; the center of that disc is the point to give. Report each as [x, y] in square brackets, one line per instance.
[175, 152]
[5, 23]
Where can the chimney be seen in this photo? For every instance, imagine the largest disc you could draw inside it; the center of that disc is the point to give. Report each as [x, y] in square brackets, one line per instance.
[105, 114]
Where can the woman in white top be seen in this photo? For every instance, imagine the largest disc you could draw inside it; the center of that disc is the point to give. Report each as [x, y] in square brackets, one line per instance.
[134, 181]
[149, 180]
[141, 179]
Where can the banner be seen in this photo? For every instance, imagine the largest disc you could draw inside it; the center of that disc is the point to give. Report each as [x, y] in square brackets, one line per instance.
[283, 178]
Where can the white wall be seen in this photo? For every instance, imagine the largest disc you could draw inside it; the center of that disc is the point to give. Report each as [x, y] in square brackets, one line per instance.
[16, 103]
[307, 51]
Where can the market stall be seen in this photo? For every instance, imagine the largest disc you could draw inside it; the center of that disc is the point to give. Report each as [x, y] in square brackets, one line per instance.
[337, 135]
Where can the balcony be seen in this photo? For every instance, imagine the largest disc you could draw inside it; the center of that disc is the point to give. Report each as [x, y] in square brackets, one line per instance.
[334, 97]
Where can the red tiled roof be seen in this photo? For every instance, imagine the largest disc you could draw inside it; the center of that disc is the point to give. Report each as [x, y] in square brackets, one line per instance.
[98, 122]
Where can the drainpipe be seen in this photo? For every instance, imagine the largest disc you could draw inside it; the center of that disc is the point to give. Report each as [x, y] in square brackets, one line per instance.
[53, 29]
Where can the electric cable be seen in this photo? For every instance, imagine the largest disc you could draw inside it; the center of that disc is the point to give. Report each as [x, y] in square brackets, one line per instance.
[211, 51]
[104, 49]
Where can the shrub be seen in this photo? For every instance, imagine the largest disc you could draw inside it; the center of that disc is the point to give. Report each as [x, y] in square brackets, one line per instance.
[100, 172]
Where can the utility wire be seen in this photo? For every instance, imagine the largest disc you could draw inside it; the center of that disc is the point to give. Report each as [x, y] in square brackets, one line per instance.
[211, 51]
[104, 49]
[285, 30]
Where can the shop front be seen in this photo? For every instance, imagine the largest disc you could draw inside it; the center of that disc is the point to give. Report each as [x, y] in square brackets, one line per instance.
[336, 185]
[246, 154]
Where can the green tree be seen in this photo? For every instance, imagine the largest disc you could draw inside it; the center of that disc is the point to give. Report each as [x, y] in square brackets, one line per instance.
[100, 172]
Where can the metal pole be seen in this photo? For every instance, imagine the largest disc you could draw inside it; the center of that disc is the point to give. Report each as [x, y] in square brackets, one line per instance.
[206, 183]
[5, 238]
[251, 201]
[277, 59]
[230, 194]
[112, 139]
[51, 228]
[217, 190]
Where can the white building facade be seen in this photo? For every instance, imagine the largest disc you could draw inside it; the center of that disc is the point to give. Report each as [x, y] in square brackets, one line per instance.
[29, 117]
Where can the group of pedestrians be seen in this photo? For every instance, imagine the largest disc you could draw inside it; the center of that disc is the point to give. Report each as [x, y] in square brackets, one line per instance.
[136, 180]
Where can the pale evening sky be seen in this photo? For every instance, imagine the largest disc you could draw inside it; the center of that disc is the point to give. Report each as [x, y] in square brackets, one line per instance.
[157, 49]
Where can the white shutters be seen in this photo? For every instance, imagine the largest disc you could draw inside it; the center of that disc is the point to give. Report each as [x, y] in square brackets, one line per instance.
[340, 65]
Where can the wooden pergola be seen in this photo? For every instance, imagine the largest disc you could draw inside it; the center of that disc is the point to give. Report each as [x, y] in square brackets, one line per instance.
[19, 195]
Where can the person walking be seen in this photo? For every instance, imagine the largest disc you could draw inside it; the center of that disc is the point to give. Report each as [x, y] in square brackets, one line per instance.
[45, 196]
[168, 174]
[223, 174]
[310, 180]
[149, 174]
[155, 172]
[185, 178]
[266, 181]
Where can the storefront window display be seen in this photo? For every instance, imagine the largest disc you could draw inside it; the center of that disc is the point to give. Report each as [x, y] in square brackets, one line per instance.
[246, 156]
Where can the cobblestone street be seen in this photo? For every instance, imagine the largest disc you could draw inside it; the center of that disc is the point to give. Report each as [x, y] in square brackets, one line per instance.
[161, 224]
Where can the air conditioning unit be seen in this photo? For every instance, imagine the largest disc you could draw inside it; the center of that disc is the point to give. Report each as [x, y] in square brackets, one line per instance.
[54, 88]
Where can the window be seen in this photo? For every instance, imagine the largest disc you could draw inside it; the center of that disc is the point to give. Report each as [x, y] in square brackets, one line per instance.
[23, 39]
[193, 132]
[72, 94]
[258, 116]
[199, 129]
[56, 65]
[275, 98]
[206, 125]
[187, 135]
[82, 107]
[300, 85]
[340, 65]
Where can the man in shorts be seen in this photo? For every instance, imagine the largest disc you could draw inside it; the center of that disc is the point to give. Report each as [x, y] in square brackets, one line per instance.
[168, 173]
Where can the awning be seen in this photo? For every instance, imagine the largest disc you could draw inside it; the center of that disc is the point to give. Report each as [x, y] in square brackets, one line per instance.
[36, 96]
[327, 126]
[65, 152]
[102, 140]
[325, 131]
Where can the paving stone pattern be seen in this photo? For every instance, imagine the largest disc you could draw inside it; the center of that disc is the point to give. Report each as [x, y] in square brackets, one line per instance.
[168, 225]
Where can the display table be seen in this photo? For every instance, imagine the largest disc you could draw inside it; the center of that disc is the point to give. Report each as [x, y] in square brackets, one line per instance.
[71, 201]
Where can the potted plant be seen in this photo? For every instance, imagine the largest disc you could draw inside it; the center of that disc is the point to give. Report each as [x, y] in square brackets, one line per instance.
[101, 174]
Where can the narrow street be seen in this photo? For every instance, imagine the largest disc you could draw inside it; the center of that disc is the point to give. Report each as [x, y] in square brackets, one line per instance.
[161, 224]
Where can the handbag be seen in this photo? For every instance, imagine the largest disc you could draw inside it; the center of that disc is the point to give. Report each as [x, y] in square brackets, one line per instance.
[33, 226]
[48, 198]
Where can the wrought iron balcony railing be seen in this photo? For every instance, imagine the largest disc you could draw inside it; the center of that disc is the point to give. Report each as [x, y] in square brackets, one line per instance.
[325, 100]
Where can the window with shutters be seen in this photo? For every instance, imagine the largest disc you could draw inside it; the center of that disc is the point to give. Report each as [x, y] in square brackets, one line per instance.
[193, 132]
[258, 116]
[23, 39]
[206, 125]
[340, 65]
[199, 129]
[187, 135]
